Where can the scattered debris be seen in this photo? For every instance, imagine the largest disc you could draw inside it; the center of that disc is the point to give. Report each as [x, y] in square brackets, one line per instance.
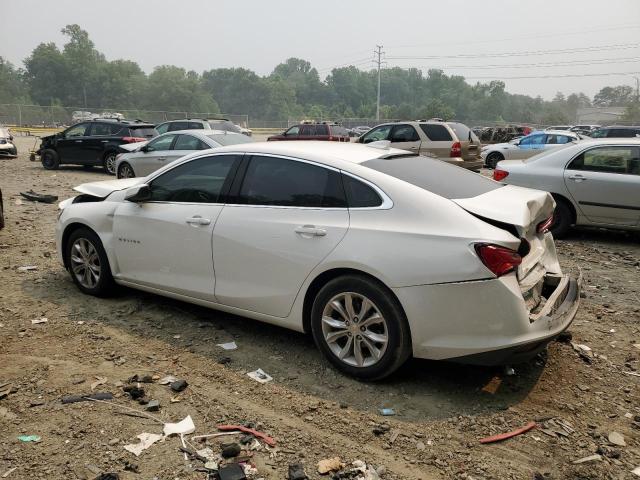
[616, 438]
[330, 465]
[5, 389]
[296, 472]
[9, 472]
[134, 391]
[99, 381]
[583, 351]
[178, 385]
[233, 471]
[230, 450]
[183, 427]
[29, 438]
[565, 337]
[37, 321]
[265, 438]
[211, 465]
[590, 458]
[108, 476]
[260, 376]
[636, 471]
[167, 380]
[39, 197]
[83, 398]
[509, 371]
[228, 346]
[504, 436]
[493, 385]
[387, 412]
[140, 379]
[146, 440]
[27, 268]
[153, 406]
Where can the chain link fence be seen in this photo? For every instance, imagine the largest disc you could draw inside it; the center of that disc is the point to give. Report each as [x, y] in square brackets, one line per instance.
[57, 116]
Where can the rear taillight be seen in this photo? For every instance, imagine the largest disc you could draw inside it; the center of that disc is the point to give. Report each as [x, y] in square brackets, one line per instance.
[456, 150]
[499, 175]
[133, 139]
[499, 260]
[545, 225]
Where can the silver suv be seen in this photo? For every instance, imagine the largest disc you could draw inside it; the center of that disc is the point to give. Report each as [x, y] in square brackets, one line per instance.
[201, 124]
[450, 141]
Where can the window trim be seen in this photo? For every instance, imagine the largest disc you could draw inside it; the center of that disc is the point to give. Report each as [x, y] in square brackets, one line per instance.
[173, 141]
[594, 147]
[386, 204]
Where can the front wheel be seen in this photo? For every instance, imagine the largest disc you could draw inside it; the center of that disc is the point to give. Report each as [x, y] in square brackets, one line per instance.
[88, 263]
[50, 159]
[125, 171]
[360, 327]
[562, 218]
[109, 163]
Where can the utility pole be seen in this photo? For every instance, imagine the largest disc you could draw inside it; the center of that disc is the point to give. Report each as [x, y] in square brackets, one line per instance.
[637, 88]
[378, 52]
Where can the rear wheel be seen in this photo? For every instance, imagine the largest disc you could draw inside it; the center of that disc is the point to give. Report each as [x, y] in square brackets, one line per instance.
[109, 163]
[493, 159]
[562, 219]
[88, 263]
[125, 171]
[50, 159]
[360, 327]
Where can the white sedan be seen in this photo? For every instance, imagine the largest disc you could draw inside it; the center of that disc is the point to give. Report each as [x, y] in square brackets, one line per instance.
[594, 182]
[147, 157]
[525, 147]
[369, 249]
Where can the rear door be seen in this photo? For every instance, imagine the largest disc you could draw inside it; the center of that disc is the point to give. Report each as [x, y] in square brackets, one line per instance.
[438, 139]
[74, 147]
[156, 155]
[405, 137]
[528, 147]
[184, 145]
[101, 136]
[605, 183]
[288, 215]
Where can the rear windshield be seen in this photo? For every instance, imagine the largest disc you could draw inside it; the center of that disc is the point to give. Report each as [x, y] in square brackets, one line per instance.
[463, 132]
[230, 138]
[435, 176]
[146, 131]
[436, 132]
[225, 125]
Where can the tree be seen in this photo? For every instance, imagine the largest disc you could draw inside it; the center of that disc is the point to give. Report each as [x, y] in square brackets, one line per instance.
[13, 88]
[614, 96]
[173, 88]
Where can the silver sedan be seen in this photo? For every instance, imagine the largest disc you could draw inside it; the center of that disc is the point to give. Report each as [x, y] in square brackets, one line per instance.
[147, 157]
[594, 182]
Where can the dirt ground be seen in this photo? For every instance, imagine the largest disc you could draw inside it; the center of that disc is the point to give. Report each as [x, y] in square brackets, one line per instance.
[313, 412]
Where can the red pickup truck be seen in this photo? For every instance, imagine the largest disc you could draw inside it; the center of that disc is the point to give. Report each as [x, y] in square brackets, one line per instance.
[314, 131]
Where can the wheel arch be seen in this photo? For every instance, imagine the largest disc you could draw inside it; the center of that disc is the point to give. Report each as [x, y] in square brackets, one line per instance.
[325, 277]
[561, 198]
[68, 231]
[120, 165]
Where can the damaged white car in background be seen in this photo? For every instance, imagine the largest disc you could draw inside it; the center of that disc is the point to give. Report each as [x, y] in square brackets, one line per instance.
[378, 253]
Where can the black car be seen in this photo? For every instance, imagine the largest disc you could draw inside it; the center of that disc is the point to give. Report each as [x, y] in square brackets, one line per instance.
[616, 131]
[90, 143]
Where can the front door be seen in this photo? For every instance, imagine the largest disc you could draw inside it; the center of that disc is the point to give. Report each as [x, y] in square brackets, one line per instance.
[405, 137]
[74, 146]
[605, 183]
[287, 217]
[166, 242]
[155, 155]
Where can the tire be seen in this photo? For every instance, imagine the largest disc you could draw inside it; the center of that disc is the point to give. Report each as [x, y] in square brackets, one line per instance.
[125, 171]
[562, 219]
[109, 163]
[50, 159]
[88, 264]
[372, 363]
[493, 159]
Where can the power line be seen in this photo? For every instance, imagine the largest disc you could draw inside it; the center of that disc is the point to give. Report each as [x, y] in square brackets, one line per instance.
[576, 75]
[353, 63]
[598, 61]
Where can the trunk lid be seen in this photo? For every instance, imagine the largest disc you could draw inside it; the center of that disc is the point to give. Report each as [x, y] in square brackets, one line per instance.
[103, 189]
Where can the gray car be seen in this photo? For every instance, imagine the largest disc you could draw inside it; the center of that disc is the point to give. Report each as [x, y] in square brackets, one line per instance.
[147, 157]
[7, 147]
[594, 182]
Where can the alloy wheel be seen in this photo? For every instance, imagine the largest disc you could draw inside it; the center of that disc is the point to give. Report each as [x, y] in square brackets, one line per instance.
[126, 171]
[110, 163]
[354, 329]
[85, 263]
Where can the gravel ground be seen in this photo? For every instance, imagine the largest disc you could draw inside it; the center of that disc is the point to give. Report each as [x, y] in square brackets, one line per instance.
[312, 411]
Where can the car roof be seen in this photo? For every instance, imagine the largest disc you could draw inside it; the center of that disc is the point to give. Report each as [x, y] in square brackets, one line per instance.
[333, 154]
[626, 127]
[567, 133]
[199, 132]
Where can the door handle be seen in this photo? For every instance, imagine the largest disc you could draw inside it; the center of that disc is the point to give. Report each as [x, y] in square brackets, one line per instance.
[577, 178]
[311, 230]
[162, 159]
[78, 141]
[104, 141]
[198, 220]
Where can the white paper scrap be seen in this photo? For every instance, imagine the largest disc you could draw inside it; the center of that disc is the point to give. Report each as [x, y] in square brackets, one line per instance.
[146, 440]
[228, 345]
[260, 376]
[184, 427]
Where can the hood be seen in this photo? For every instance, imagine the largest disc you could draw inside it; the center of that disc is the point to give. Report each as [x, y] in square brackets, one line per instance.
[521, 207]
[132, 147]
[103, 189]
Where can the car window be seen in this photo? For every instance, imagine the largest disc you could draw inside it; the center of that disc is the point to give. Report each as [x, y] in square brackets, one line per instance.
[404, 133]
[623, 160]
[463, 132]
[622, 132]
[600, 133]
[189, 142]
[229, 138]
[307, 130]
[161, 143]
[196, 126]
[284, 182]
[359, 194]
[533, 140]
[339, 131]
[321, 130]
[79, 130]
[143, 131]
[436, 132]
[178, 126]
[293, 131]
[377, 133]
[197, 181]
[557, 139]
[162, 128]
[105, 129]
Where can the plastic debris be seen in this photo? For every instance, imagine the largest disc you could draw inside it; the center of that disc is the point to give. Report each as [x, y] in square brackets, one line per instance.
[265, 438]
[183, 427]
[99, 381]
[167, 380]
[636, 471]
[296, 472]
[178, 385]
[153, 406]
[8, 472]
[387, 412]
[28, 268]
[590, 458]
[228, 346]
[504, 436]
[329, 465]
[211, 465]
[232, 472]
[39, 197]
[36, 321]
[84, 398]
[146, 440]
[29, 438]
[260, 376]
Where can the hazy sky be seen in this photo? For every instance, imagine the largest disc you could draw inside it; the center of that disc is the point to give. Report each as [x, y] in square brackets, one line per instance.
[200, 35]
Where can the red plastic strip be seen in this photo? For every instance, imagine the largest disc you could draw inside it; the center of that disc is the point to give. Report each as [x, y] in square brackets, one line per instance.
[266, 438]
[504, 436]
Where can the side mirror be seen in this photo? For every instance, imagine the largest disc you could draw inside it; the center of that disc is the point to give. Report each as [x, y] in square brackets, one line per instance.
[139, 193]
[145, 148]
